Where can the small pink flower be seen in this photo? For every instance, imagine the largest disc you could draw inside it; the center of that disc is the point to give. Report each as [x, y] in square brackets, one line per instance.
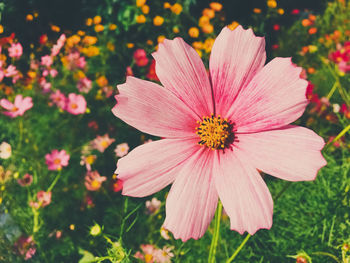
[153, 206]
[93, 180]
[58, 98]
[129, 71]
[11, 71]
[101, 143]
[25, 246]
[18, 108]
[46, 60]
[121, 149]
[84, 85]
[140, 57]
[57, 159]
[117, 185]
[217, 131]
[46, 86]
[58, 234]
[53, 73]
[56, 48]
[76, 104]
[26, 180]
[44, 198]
[88, 161]
[15, 50]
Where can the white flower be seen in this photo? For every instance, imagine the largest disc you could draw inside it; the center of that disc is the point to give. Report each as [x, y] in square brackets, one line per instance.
[121, 149]
[5, 150]
[336, 108]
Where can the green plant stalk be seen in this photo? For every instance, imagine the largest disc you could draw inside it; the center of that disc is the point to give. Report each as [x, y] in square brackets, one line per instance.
[327, 254]
[215, 239]
[288, 184]
[239, 248]
[330, 94]
[54, 181]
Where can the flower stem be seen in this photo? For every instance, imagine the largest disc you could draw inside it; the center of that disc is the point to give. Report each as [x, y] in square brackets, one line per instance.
[238, 249]
[214, 241]
[54, 182]
[278, 195]
[341, 134]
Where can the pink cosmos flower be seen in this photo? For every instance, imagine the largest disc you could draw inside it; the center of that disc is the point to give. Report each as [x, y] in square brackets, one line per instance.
[26, 180]
[57, 159]
[46, 60]
[84, 85]
[121, 149]
[15, 50]
[101, 143]
[46, 86]
[25, 246]
[44, 198]
[93, 180]
[11, 71]
[18, 108]
[76, 104]
[58, 98]
[153, 206]
[117, 185]
[56, 48]
[140, 57]
[218, 131]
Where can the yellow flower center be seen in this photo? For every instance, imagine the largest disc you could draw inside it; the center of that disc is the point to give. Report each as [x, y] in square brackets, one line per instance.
[215, 133]
[95, 184]
[57, 161]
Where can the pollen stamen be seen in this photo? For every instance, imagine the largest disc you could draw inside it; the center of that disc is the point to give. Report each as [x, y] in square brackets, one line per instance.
[215, 132]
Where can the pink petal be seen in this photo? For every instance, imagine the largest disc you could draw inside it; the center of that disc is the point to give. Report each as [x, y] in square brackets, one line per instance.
[181, 70]
[235, 58]
[153, 109]
[18, 100]
[6, 104]
[292, 153]
[274, 98]
[192, 200]
[151, 167]
[243, 192]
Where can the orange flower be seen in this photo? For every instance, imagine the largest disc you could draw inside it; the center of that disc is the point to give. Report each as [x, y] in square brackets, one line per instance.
[140, 3]
[215, 6]
[88, 22]
[306, 22]
[81, 33]
[160, 39]
[337, 34]
[233, 25]
[1, 29]
[176, 8]
[130, 45]
[55, 28]
[311, 70]
[97, 20]
[112, 27]
[89, 40]
[193, 32]
[272, 3]
[208, 13]
[99, 28]
[167, 5]
[149, 42]
[140, 19]
[102, 81]
[280, 11]
[176, 29]
[257, 10]
[312, 18]
[207, 29]
[29, 17]
[203, 20]
[197, 45]
[312, 30]
[145, 9]
[158, 21]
